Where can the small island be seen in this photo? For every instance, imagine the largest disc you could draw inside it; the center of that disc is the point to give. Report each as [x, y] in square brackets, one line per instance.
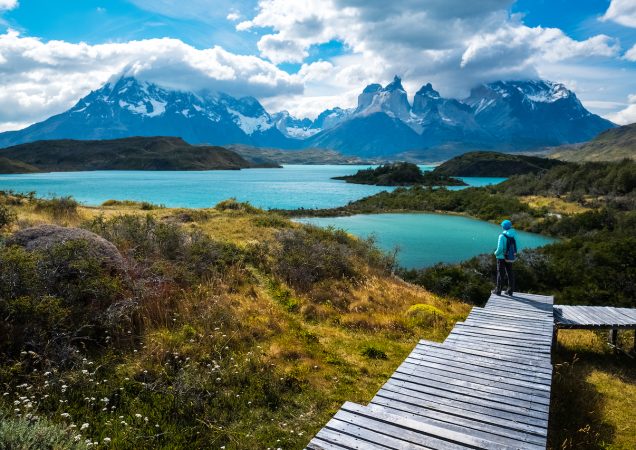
[495, 164]
[400, 174]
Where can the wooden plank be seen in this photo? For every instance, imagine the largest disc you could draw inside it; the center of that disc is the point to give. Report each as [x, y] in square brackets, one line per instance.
[512, 317]
[372, 433]
[333, 436]
[318, 444]
[489, 354]
[540, 364]
[457, 413]
[511, 325]
[577, 316]
[493, 347]
[478, 398]
[431, 436]
[515, 334]
[489, 367]
[518, 303]
[486, 424]
[519, 345]
[429, 397]
[481, 376]
[473, 334]
[509, 396]
[472, 428]
[609, 316]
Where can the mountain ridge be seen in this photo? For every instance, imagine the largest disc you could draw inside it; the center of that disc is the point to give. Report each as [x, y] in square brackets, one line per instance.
[134, 153]
[503, 115]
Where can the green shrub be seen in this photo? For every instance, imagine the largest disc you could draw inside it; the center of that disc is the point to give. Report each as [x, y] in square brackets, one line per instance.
[7, 216]
[373, 352]
[424, 315]
[58, 207]
[306, 256]
[232, 204]
[54, 297]
[17, 433]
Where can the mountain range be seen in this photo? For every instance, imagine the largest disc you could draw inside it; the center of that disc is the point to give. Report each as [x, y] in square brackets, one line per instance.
[504, 115]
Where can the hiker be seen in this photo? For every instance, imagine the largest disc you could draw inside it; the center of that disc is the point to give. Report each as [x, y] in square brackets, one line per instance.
[506, 253]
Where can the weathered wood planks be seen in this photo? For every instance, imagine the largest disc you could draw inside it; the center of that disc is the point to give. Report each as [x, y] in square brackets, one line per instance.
[487, 386]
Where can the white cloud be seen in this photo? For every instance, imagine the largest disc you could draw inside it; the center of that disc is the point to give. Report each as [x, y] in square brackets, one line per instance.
[41, 78]
[626, 115]
[630, 54]
[454, 44]
[6, 5]
[622, 12]
[233, 16]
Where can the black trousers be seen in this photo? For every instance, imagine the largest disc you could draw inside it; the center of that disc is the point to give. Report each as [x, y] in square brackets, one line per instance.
[505, 269]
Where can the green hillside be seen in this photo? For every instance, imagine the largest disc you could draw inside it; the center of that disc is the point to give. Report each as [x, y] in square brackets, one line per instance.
[611, 145]
[12, 166]
[136, 153]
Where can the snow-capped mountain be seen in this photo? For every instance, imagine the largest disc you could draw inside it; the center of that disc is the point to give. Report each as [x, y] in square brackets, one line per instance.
[292, 127]
[129, 107]
[533, 113]
[504, 115]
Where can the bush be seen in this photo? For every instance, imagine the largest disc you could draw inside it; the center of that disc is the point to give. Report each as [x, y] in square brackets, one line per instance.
[7, 216]
[309, 255]
[166, 247]
[58, 207]
[24, 434]
[54, 299]
[373, 352]
[426, 316]
[232, 204]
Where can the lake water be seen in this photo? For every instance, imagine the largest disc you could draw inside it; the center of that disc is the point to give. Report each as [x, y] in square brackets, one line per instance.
[294, 186]
[426, 239]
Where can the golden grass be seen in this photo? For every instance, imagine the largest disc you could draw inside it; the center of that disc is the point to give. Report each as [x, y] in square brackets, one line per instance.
[553, 205]
[594, 393]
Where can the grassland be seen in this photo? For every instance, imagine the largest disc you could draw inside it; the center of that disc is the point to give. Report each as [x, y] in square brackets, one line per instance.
[239, 357]
[235, 328]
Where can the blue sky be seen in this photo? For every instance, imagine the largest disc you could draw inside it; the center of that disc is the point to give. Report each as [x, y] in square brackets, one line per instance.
[307, 55]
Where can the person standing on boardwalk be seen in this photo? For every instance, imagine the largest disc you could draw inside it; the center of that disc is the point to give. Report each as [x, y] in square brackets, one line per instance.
[506, 253]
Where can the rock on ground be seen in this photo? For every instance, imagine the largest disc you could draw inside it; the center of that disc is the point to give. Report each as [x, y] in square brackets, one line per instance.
[44, 237]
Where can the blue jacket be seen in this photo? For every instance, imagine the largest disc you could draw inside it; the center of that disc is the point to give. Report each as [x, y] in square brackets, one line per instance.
[501, 242]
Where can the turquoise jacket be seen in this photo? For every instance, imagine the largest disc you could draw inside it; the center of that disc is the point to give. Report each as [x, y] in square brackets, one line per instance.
[501, 242]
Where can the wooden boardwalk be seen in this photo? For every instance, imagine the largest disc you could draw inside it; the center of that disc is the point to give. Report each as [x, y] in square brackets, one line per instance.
[596, 318]
[592, 317]
[487, 386]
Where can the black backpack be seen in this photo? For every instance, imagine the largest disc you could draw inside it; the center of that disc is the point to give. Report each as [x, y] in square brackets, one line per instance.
[511, 249]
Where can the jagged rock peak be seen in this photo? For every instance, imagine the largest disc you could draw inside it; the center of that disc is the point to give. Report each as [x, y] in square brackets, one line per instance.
[428, 91]
[395, 85]
[375, 87]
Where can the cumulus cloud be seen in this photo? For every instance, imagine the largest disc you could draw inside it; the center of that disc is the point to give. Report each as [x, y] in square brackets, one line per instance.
[630, 55]
[453, 43]
[622, 12]
[40, 78]
[6, 5]
[626, 115]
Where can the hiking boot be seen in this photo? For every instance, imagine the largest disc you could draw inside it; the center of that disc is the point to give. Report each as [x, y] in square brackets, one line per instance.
[509, 293]
[496, 292]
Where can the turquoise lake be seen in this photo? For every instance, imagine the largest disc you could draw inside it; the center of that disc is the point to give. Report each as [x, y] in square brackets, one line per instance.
[294, 186]
[426, 239]
[423, 239]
